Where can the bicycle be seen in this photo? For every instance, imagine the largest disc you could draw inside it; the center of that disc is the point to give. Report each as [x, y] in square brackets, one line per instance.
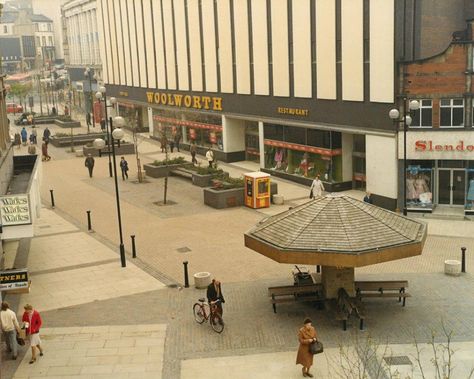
[203, 312]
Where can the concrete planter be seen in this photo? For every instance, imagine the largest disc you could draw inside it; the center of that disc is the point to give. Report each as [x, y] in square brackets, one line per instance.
[227, 198]
[202, 180]
[202, 279]
[67, 124]
[124, 149]
[80, 139]
[153, 171]
[452, 267]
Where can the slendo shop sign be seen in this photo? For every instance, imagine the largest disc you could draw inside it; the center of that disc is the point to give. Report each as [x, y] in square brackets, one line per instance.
[449, 144]
[429, 145]
[15, 210]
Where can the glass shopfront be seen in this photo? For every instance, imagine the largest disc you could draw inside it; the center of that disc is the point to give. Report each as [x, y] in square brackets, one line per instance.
[204, 129]
[303, 152]
[135, 116]
[419, 185]
[440, 182]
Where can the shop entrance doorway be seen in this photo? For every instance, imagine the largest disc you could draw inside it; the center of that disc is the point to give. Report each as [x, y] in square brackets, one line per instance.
[451, 186]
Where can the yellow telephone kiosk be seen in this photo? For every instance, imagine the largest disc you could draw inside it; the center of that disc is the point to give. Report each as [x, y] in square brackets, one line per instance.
[257, 190]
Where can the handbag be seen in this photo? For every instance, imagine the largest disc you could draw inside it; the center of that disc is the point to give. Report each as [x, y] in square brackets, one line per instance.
[20, 341]
[316, 347]
[311, 194]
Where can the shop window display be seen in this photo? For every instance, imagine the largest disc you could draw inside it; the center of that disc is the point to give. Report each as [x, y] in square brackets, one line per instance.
[419, 191]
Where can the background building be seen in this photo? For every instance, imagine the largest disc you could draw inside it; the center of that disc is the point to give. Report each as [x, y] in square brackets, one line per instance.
[81, 47]
[304, 86]
[25, 35]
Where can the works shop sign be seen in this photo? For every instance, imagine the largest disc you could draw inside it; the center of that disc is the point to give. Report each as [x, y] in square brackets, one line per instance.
[13, 280]
[211, 103]
[15, 210]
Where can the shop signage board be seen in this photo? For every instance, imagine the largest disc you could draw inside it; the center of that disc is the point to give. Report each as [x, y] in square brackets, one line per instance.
[15, 210]
[11, 280]
[452, 145]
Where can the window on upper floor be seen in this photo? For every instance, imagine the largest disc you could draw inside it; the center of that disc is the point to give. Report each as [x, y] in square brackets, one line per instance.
[50, 28]
[5, 29]
[43, 41]
[423, 117]
[36, 27]
[50, 41]
[451, 113]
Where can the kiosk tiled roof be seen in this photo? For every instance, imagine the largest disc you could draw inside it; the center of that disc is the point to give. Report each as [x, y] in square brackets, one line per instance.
[338, 224]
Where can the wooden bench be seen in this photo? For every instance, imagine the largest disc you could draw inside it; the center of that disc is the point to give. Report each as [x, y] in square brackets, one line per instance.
[286, 294]
[346, 306]
[183, 172]
[382, 288]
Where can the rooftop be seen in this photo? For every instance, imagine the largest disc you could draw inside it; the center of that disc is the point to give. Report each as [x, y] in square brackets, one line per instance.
[337, 227]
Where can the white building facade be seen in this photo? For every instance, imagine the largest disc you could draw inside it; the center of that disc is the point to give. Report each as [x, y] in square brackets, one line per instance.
[303, 87]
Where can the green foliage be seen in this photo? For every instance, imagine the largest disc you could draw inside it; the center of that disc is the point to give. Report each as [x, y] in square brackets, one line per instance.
[177, 160]
[20, 90]
[228, 183]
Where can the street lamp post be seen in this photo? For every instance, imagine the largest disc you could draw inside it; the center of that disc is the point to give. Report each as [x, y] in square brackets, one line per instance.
[99, 143]
[88, 74]
[101, 95]
[406, 121]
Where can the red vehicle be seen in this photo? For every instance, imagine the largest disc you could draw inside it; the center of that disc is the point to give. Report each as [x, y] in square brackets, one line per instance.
[14, 108]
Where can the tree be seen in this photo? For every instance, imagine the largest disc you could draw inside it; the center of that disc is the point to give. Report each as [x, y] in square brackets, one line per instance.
[21, 91]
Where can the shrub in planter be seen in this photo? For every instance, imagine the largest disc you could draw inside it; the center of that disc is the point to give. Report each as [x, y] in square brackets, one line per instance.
[228, 183]
[173, 161]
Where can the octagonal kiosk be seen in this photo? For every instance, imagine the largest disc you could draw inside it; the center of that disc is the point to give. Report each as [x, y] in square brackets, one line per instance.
[257, 190]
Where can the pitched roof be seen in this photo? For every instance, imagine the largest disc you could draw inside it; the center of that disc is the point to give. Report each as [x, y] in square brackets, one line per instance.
[39, 18]
[338, 224]
[8, 17]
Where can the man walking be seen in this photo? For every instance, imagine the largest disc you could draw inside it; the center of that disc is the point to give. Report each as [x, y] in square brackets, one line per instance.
[46, 135]
[89, 163]
[88, 119]
[10, 328]
[193, 150]
[124, 168]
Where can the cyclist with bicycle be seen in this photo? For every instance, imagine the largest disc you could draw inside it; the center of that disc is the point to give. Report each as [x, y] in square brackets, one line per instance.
[215, 297]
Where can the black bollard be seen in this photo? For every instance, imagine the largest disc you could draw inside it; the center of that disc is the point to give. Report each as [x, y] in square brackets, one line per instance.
[52, 198]
[318, 269]
[89, 223]
[134, 250]
[186, 277]
[463, 259]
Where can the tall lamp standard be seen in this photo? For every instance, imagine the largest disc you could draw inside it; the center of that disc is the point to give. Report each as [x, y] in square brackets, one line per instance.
[406, 121]
[99, 143]
[88, 74]
[101, 95]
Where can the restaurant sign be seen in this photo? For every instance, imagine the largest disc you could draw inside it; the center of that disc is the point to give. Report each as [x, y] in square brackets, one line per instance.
[13, 279]
[15, 210]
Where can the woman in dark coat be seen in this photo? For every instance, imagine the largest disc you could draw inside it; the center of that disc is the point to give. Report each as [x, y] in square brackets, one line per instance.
[214, 293]
[306, 335]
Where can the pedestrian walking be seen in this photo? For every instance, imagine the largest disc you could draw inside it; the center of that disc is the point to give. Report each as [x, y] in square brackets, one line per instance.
[124, 168]
[317, 188]
[89, 163]
[34, 135]
[17, 140]
[66, 110]
[177, 139]
[33, 322]
[306, 336]
[24, 135]
[214, 294]
[10, 328]
[193, 151]
[103, 124]
[164, 143]
[88, 119]
[171, 143]
[368, 198]
[210, 157]
[46, 135]
[44, 151]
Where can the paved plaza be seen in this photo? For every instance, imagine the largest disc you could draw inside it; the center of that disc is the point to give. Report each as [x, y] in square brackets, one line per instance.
[101, 320]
